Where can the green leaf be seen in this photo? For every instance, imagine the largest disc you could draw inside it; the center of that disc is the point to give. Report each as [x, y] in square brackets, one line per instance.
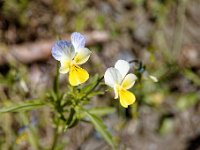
[186, 101]
[102, 111]
[72, 119]
[99, 111]
[92, 94]
[192, 76]
[166, 124]
[24, 106]
[91, 84]
[101, 128]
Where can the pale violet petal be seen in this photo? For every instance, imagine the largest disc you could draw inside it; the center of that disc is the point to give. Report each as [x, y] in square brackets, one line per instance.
[112, 77]
[78, 41]
[129, 81]
[123, 67]
[82, 56]
[62, 50]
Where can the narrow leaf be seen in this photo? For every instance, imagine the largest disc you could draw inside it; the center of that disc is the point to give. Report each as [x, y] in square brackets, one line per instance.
[192, 76]
[92, 94]
[102, 111]
[101, 128]
[22, 107]
[99, 111]
[72, 119]
[91, 84]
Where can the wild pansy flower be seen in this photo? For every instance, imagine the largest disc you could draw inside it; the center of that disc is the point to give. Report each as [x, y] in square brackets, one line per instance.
[71, 55]
[117, 78]
[22, 138]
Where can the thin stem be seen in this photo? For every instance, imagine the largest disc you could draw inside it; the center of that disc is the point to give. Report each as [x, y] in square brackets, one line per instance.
[99, 80]
[56, 136]
[57, 106]
[134, 61]
[56, 81]
[137, 62]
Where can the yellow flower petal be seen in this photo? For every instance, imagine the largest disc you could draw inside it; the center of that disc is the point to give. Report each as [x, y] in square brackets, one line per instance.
[65, 65]
[126, 97]
[129, 81]
[77, 75]
[82, 56]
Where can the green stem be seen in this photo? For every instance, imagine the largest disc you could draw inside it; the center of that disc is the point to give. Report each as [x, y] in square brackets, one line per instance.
[134, 61]
[94, 87]
[57, 107]
[56, 81]
[56, 136]
[138, 63]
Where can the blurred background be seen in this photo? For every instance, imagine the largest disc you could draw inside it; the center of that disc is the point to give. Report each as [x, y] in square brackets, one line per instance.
[163, 34]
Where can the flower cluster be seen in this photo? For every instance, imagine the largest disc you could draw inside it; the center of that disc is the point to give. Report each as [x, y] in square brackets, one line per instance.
[73, 53]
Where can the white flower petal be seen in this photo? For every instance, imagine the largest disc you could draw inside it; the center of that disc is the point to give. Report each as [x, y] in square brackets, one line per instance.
[65, 66]
[129, 81]
[62, 50]
[82, 56]
[116, 92]
[123, 67]
[112, 77]
[78, 41]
